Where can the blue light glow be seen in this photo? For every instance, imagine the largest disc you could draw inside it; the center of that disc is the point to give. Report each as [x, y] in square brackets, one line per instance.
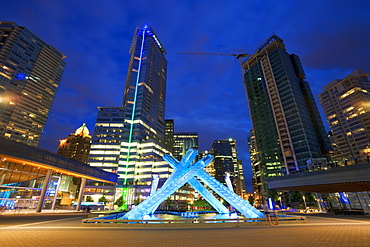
[271, 204]
[146, 30]
[20, 76]
[343, 198]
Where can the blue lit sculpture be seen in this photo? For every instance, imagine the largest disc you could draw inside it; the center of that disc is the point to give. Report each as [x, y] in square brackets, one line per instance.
[186, 172]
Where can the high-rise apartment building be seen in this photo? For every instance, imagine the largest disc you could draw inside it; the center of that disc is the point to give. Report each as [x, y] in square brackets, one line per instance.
[140, 124]
[346, 105]
[182, 142]
[77, 145]
[30, 73]
[288, 130]
[226, 162]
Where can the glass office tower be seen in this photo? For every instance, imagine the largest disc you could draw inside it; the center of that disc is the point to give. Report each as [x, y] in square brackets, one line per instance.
[226, 161]
[136, 147]
[288, 130]
[30, 73]
[142, 145]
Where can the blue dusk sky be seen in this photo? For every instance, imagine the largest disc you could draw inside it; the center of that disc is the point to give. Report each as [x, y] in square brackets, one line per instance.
[205, 94]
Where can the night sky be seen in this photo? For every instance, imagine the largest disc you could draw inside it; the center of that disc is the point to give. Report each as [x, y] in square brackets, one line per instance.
[205, 94]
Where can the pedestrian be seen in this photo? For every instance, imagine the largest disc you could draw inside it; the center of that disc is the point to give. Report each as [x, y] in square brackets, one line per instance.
[276, 217]
[266, 211]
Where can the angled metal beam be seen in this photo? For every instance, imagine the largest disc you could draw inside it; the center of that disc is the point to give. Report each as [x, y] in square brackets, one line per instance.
[208, 196]
[181, 175]
[238, 203]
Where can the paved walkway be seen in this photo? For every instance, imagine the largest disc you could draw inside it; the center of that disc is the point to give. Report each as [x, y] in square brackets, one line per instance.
[65, 229]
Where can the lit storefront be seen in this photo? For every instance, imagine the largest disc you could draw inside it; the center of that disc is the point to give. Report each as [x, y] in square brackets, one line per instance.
[34, 179]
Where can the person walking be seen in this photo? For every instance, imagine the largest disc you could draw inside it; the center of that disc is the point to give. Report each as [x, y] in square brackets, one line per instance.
[276, 217]
[266, 211]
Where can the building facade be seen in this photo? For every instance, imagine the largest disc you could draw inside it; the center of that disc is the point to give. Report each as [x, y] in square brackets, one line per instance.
[346, 104]
[182, 142]
[288, 130]
[255, 163]
[136, 150]
[77, 145]
[107, 137]
[347, 110]
[169, 134]
[30, 73]
[226, 162]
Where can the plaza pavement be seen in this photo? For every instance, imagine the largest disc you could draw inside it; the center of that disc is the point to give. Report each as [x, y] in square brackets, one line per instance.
[65, 229]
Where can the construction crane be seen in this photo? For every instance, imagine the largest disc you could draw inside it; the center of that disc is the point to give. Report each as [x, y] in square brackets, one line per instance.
[238, 56]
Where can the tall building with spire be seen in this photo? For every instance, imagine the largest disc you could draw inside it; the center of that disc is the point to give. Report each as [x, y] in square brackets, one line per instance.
[289, 135]
[77, 145]
[30, 73]
[141, 138]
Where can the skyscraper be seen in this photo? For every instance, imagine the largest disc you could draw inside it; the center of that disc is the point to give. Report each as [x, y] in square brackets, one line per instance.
[141, 120]
[168, 134]
[77, 145]
[145, 91]
[346, 104]
[30, 73]
[288, 130]
[226, 161]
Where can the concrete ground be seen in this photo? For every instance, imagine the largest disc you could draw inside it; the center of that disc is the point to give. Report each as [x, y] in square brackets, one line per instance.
[65, 229]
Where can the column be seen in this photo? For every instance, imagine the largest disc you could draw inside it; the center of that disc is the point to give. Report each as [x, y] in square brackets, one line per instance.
[56, 192]
[2, 179]
[80, 196]
[44, 189]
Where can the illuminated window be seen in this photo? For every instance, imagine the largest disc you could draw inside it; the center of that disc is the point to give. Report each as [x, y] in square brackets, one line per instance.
[349, 109]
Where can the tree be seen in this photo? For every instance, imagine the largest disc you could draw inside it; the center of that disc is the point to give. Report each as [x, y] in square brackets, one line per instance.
[136, 201]
[119, 202]
[89, 199]
[168, 203]
[103, 200]
[202, 204]
[251, 199]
